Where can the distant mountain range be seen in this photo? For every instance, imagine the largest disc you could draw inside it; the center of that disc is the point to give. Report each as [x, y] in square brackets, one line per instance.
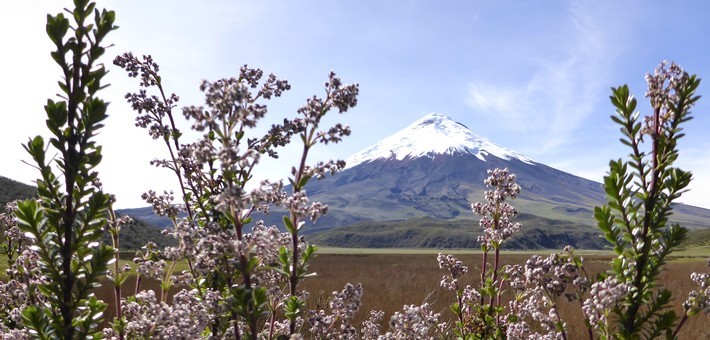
[415, 188]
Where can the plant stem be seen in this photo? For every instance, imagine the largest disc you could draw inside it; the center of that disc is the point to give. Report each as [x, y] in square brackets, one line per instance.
[484, 264]
[293, 279]
[138, 284]
[680, 325]
[649, 207]
[495, 277]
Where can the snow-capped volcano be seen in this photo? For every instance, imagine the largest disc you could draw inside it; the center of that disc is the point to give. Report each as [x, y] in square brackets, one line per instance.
[415, 189]
[431, 135]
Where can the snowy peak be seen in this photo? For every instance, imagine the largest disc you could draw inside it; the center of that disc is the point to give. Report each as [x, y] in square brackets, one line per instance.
[433, 134]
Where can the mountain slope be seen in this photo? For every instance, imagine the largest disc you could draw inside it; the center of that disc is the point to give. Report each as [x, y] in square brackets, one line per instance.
[427, 232]
[435, 168]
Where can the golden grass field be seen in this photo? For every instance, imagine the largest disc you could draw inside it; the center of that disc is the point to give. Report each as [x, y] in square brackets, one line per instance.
[392, 278]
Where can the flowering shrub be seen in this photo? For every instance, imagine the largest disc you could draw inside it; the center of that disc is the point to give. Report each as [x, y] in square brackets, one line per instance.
[624, 302]
[244, 278]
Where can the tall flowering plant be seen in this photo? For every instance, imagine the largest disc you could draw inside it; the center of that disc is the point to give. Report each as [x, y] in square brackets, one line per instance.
[640, 193]
[498, 227]
[478, 309]
[532, 291]
[236, 263]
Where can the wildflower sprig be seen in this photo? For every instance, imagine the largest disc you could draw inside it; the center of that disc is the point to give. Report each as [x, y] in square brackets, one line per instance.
[698, 299]
[479, 310]
[540, 286]
[294, 262]
[497, 222]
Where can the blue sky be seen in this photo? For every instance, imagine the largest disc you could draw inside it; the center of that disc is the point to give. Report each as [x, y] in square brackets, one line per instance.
[533, 76]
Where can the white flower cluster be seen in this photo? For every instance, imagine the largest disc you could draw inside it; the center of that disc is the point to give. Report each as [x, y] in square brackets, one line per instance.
[414, 322]
[603, 296]
[497, 215]
[534, 304]
[699, 299]
[149, 318]
[343, 306]
[455, 269]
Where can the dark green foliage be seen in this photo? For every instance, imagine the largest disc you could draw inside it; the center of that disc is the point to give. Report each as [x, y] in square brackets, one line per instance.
[67, 223]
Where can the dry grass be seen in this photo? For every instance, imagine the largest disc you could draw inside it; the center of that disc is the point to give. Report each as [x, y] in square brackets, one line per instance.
[393, 280]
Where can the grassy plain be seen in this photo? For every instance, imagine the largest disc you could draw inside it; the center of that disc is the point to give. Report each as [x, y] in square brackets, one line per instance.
[392, 278]
[395, 277]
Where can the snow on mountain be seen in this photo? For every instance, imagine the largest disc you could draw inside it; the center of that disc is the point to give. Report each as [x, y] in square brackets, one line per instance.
[431, 135]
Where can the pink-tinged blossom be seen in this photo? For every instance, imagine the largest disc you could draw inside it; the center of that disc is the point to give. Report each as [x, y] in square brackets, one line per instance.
[496, 214]
[162, 204]
[663, 88]
[556, 274]
[153, 110]
[298, 204]
[538, 287]
[603, 296]
[699, 299]
[455, 269]
[15, 334]
[371, 326]
[469, 297]
[516, 276]
[413, 322]
[147, 317]
[535, 305]
[343, 306]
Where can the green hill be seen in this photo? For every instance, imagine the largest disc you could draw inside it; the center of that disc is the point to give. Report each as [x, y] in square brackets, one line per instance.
[12, 190]
[698, 241]
[133, 236]
[427, 232]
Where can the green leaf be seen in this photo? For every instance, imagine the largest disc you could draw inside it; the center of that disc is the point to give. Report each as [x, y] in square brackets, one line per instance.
[293, 307]
[289, 225]
[57, 28]
[38, 323]
[308, 253]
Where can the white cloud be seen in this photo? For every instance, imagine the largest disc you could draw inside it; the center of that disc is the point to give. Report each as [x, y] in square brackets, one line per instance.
[492, 99]
[557, 98]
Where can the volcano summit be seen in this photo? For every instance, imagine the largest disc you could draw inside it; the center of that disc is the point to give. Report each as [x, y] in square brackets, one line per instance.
[431, 135]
